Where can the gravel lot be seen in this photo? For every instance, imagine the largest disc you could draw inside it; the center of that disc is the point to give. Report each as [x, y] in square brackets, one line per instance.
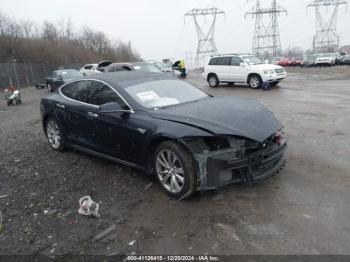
[304, 210]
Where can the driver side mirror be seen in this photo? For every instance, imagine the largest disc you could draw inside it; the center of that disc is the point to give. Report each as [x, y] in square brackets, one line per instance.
[112, 107]
[242, 64]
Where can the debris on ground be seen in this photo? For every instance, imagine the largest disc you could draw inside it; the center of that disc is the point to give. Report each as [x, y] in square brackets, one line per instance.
[148, 186]
[88, 207]
[106, 232]
[3, 196]
[132, 243]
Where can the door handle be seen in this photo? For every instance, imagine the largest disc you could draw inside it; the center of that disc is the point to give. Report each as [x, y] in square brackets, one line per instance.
[94, 115]
[60, 106]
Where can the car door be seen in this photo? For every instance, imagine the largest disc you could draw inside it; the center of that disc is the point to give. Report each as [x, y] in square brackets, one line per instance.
[80, 127]
[223, 69]
[239, 73]
[118, 134]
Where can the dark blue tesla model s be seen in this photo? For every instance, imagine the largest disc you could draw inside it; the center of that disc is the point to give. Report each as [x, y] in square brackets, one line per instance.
[189, 140]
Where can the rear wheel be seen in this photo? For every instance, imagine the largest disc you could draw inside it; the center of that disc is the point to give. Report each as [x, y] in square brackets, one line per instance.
[213, 81]
[54, 134]
[255, 81]
[175, 170]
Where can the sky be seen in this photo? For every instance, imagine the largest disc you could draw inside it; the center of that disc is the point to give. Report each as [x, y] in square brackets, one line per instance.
[157, 28]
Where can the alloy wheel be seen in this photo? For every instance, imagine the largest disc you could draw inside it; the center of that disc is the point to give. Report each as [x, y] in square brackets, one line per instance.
[53, 134]
[170, 171]
[254, 82]
[212, 81]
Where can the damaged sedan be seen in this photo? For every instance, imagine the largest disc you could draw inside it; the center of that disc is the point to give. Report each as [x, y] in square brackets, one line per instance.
[156, 123]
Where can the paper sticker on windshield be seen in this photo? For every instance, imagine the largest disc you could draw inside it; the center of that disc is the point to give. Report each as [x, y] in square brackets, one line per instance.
[147, 96]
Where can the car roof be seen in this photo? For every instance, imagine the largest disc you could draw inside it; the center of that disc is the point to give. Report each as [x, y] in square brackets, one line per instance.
[125, 79]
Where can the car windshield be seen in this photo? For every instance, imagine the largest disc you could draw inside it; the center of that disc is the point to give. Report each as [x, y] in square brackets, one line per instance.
[163, 66]
[163, 93]
[69, 73]
[252, 60]
[147, 68]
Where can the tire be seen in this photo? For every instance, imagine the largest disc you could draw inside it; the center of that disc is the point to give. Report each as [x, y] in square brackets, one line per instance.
[275, 83]
[19, 101]
[9, 103]
[54, 134]
[50, 87]
[255, 82]
[167, 159]
[213, 81]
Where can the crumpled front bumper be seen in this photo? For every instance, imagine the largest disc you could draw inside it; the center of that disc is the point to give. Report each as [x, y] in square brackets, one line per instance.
[221, 168]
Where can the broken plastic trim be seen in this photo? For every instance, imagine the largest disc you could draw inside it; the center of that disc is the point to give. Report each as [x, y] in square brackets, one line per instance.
[243, 161]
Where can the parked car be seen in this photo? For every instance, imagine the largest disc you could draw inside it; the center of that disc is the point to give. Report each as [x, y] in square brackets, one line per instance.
[326, 59]
[161, 125]
[119, 67]
[275, 60]
[103, 64]
[284, 62]
[244, 68]
[89, 69]
[345, 60]
[308, 61]
[59, 77]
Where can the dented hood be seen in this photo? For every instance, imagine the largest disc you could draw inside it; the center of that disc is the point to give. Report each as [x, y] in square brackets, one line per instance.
[242, 117]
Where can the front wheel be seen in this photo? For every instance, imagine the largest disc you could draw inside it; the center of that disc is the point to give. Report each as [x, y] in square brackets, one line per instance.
[175, 170]
[213, 81]
[255, 82]
[54, 134]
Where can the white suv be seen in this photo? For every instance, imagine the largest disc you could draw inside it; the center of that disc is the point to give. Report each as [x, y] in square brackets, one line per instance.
[242, 68]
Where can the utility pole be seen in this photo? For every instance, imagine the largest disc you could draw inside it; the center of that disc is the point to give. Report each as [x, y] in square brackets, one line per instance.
[266, 39]
[206, 42]
[326, 38]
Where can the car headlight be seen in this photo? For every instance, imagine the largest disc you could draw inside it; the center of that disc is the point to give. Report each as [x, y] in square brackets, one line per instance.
[268, 72]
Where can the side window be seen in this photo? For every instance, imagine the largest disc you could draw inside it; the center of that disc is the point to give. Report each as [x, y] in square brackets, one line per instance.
[213, 61]
[88, 67]
[77, 91]
[102, 94]
[224, 61]
[236, 61]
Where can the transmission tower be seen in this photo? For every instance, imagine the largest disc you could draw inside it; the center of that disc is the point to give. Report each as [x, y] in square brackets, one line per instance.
[206, 43]
[266, 41]
[326, 38]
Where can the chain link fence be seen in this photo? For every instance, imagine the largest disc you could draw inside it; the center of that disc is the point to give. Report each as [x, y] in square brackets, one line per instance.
[27, 73]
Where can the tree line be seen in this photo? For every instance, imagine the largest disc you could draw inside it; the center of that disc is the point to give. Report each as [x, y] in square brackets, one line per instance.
[58, 43]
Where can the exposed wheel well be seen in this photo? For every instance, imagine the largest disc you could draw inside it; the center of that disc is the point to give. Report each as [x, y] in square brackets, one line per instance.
[253, 74]
[154, 144]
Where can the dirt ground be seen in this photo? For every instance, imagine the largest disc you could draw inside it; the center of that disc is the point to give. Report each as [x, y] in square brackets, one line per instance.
[303, 210]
